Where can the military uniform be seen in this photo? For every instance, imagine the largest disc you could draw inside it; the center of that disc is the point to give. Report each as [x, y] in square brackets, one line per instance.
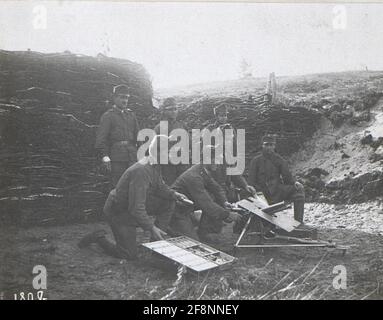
[117, 139]
[270, 174]
[171, 172]
[199, 186]
[140, 192]
[227, 182]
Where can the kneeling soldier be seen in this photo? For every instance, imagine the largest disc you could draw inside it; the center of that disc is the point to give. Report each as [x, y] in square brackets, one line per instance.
[139, 192]
[198, 184]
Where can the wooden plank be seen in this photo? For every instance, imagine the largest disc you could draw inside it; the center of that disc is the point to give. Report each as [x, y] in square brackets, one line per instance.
[292, 245]
[280, 219]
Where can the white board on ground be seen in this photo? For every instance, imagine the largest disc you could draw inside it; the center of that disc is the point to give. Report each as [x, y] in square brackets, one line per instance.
[190, 253]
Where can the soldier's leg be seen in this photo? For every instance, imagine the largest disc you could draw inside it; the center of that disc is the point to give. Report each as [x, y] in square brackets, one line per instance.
[132, 156]
[290, 193]
[125, 236]
[231, 194]
[124, 232]
[299, 205]
[181, 222]
[162, 209]
[118, 168]
[209, 225]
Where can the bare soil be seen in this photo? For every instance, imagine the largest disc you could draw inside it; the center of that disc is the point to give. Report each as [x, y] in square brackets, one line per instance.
[320, 153]
[299, 273]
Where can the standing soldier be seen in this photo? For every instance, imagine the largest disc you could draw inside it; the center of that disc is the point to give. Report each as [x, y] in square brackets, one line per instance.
[169, 111]
[116, 139]
[228, 182]
[269, 173]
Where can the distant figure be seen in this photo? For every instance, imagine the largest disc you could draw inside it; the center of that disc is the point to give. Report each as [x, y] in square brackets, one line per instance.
[116, 139]
[270, 174]
[169, 112]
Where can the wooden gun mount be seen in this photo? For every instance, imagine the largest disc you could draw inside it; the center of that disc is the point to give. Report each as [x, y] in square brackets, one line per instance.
[280, 206]
[275, 214]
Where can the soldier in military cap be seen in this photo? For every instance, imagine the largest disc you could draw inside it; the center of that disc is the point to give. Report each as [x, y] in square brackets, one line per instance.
[198, 184]
[169, 112]
[140, 192]
[220, 112]
[229, 183]
[116, 139]
[270, 174]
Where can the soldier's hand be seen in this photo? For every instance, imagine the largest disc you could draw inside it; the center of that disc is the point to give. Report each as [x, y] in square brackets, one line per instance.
[234, 216]
[251, 189]
[181, 197]
[157, 233]
[229, 205]
[107, 164]
[298, 186]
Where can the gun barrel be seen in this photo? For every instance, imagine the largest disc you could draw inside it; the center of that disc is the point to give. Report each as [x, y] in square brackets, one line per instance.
[239, 210]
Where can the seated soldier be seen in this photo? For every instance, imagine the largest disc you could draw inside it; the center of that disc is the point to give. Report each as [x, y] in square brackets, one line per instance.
[198, 184]
[270, 174]
[139, 192]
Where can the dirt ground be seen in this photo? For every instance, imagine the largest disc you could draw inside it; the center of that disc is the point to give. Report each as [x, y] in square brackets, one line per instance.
[299, 273]
[318, 152]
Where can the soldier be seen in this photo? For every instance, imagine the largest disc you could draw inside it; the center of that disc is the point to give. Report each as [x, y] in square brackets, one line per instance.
[140, 192]
[169, 111]
[198, 184]
[269, 173]
[229, 183]
[116, 139]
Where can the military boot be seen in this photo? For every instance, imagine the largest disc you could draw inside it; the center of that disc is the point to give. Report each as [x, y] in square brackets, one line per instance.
[299, 211]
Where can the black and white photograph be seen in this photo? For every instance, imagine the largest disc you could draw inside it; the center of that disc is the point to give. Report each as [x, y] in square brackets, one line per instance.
[212, 152]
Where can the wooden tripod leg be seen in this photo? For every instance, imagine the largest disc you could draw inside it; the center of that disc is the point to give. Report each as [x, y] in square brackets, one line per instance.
[243, 231]
[262, 231]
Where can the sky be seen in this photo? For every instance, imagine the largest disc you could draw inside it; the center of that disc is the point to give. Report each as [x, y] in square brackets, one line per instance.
[188, 43]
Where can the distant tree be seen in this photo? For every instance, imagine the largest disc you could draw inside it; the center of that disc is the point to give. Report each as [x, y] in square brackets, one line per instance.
[105, 45]
[364, 67]
[245, 69]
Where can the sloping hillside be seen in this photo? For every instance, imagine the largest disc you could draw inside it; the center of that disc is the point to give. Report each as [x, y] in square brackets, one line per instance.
[346, 150]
